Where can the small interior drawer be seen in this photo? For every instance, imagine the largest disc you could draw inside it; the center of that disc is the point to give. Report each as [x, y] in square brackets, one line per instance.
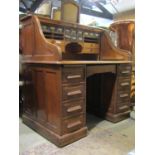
[73, 124]
[73, 92]
[87, 45]
[96, 46]
[73, 74]
[73, 107]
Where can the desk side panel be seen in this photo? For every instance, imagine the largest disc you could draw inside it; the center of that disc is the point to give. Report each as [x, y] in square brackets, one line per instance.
[110, 52]
[47, 96]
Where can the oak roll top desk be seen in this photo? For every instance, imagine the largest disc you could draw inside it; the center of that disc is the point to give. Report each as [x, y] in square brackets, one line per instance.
[68, 69]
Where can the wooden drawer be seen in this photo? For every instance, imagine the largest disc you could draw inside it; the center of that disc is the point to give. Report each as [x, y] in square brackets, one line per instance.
[73, 124]
[86, 50]
[73, 108]
[123, 96]
[95, 46]
[124, 69]
[73, 92]
[124, 66]
[95, 50]
[123, 84]
[123, 107]
[73, 74]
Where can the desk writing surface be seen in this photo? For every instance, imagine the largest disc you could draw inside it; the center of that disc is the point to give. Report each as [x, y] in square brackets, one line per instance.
[77, 62]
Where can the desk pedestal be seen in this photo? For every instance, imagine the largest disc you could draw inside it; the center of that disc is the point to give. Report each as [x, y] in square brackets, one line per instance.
[55, 98]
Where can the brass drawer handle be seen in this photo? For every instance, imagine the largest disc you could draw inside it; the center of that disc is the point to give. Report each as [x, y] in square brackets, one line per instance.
[123, 95]
[74, 93]
[72, 109]
[73, 124]
[73, 76]
[125, 72]
[123, 107]
[125, 84]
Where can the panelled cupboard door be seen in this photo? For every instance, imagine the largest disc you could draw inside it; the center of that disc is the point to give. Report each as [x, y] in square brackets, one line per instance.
[53, 98]
[46, 96]
[29, 94]
[40, 95]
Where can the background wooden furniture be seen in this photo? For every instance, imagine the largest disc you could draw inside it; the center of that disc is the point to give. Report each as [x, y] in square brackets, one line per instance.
[64, 64]
[125, 30]
[70, 11]
[56, 14]
[45, 9]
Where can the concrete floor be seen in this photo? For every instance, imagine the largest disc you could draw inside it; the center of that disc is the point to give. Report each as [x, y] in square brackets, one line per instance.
[104, 138]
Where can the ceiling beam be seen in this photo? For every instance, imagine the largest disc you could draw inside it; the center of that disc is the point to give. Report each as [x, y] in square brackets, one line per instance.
[95, 13]
[85, 3]
[105, 11]
[22, 9]
[24, 4]
[35, 5]
[114, 7]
